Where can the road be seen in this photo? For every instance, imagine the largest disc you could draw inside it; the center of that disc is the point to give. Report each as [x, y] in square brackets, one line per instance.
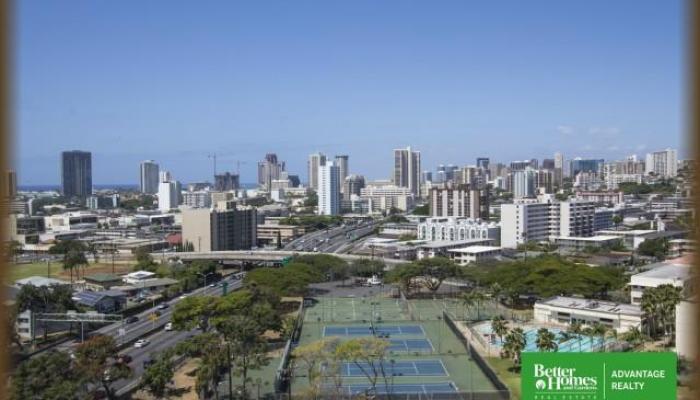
[331, 240]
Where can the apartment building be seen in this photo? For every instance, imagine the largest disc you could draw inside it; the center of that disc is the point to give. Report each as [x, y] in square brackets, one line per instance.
[225, 227]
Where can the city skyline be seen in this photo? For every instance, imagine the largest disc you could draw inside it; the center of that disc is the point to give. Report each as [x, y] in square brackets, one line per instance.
[475, 76]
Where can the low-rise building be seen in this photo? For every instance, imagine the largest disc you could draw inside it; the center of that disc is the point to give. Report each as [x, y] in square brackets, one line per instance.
[107, 301]
[269, 233]
[442, 248]
[102, 282]
[680, 247]
[678, 274]
[631, 239]
[580, 243]
[474, 254]
[457, 229]
[564, 311]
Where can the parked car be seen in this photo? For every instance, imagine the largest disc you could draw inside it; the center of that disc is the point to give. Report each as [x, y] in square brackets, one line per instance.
[141, 343]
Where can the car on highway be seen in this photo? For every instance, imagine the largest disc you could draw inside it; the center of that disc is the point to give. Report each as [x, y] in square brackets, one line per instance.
[163, 306]
[169, 326]
[141, 343]
[124, 358]
[212, 285]
[131, 320]
[147, 363]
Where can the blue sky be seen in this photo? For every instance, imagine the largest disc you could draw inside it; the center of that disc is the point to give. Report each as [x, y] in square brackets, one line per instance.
[176, 80]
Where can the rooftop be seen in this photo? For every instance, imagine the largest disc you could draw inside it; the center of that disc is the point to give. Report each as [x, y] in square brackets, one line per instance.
[475, 249]
[102, 277]
[578, 303]
[597, 238]
[459, 243]
[40, 281]
[667, 271]
[91, 298]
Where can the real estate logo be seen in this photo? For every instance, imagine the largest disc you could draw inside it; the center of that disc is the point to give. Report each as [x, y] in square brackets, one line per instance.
[598, 376]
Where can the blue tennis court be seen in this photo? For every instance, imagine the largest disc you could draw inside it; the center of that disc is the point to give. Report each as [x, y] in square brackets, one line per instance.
[381, 330]
[405, 388]
[399, 368]
[410, 345]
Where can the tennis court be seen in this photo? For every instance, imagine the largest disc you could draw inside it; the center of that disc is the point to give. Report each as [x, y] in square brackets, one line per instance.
[410, 346]
[433, 367]
[368, 330]
[404, 388]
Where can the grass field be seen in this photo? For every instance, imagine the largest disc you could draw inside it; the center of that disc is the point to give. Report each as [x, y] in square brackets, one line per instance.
[20, 271]
[390, 314]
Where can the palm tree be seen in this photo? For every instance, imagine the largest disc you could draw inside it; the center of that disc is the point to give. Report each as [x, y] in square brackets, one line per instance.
[599, 330]
[576, 329]
[499, 326]
[649, 305]
[474, 298]
[546, 341]
[610, 334]
[633, 336]
[496, 292]
[468, 302]
[514, 344]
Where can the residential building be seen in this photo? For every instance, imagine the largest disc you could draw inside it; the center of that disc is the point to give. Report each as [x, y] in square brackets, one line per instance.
[543, 219]
[672, 272]
[601, 197]
[226, 182]
[148, 177]
[225, 227]
[382, 198]
[97, 202]
[613, 181]
[269, 170]
[328, 189]
[662, 163]
[407, 169]
[564, 311]
[474, 254]
[76, 174]
[462, 201]
[456, 229]
[197, 199]
[316, 160]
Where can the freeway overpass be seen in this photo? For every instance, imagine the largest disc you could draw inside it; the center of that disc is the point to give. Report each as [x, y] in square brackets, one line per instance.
[254, 257]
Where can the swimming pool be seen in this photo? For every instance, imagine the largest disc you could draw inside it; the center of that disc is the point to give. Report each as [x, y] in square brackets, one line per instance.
[580, 343]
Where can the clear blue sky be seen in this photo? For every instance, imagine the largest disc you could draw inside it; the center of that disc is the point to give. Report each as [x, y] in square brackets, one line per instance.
[175, 80]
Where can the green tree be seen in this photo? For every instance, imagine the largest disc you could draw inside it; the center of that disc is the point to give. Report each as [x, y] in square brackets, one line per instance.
[157, 376]
[97, 362]
[213, 361]
[369, 356]
[546, 340]
[435, 271]
[46, 376]
[474, 298]
[617, 220]
[405, 276]
[245, 346]
[314, 358]
[657, 248]
[421, 210]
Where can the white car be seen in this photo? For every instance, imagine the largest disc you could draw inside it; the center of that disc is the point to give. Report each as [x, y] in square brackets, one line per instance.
[169, 326]
[183, 296]
[141, 343]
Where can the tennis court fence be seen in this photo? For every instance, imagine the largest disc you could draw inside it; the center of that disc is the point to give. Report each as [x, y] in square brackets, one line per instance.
[282, 373]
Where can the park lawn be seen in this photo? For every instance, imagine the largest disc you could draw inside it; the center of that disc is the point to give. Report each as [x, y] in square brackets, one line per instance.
[510, 379]
[21, 271]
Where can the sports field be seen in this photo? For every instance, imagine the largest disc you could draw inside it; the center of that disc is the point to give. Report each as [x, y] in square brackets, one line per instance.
[424, 356]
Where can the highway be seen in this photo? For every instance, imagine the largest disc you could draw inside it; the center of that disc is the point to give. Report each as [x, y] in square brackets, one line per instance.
[161, 340]
[331, 240]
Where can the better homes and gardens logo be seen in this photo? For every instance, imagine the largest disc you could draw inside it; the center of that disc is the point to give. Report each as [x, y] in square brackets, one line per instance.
[598, 376]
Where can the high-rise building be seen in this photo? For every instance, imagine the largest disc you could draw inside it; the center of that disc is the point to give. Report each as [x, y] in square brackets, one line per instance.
[225, 227]
[548, 163]
[269, 170]
[226, 182]
[579, 164]
[148, 179]
[427, 177]
[328, 189]
[524, 182]
[342, 162]
[521, 165]
[76, 174]
[353, 184]
[168, 192]
[316, 160]
[9, 184]
[462, 201]
[407, 169]
[662, 163]
[483, 162]
[544, 219]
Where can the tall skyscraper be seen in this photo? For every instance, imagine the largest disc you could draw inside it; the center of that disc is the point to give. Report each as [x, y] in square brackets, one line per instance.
[342, 163]
[226, 182]
[328, 189]
[9, 184]
[662, 163]
[524, 183]
[407, 169]
[148, 182]
[76, 174]
[269, 170]
[579, 164]
[353, 184]
[483, 162]
[168, 192]
[316, 160]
